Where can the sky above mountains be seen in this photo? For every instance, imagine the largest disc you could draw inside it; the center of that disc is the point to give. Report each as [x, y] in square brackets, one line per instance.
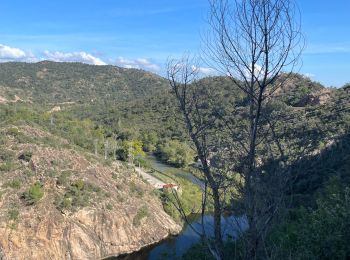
[144, 33]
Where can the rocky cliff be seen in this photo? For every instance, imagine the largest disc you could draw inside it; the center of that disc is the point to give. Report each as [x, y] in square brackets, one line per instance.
[60, 203]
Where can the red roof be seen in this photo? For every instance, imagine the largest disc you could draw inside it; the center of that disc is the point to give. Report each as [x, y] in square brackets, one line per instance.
[169, 185]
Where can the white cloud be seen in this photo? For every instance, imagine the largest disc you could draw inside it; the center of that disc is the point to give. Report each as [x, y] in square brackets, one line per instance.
[8, 53]
[139, 63]
[204, 70]
[73, 57]
[309, 75]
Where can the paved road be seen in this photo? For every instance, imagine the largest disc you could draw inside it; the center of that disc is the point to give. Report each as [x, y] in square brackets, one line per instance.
[158, 184]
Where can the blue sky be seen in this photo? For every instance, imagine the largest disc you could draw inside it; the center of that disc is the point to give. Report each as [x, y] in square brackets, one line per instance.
[144, 33]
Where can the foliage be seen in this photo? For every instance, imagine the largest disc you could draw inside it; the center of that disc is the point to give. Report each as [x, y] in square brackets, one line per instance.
[55, 82]
[14, 184]
[33, 194]
[141, 213]
[176, 153]
[317, 234]
[13, 214]
[130, 149]
[6, 167]
[78, 194]
[26, 156]
[136, 189]
[189, 196]
[63, 178]
[6, 155]
[150, 141]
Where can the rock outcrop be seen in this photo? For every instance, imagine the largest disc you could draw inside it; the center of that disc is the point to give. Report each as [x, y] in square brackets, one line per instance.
[119, 213]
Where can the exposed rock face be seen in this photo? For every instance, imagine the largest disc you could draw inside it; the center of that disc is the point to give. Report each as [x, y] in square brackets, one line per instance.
[318, 98]
[105, 227]
[87, 234]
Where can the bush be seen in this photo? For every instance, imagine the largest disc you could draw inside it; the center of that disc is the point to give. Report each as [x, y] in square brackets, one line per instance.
[6, 155]
[13, 131]
[63, 178]
[14, 184]
[6, 167]
[78, 194]
[26, 156]
[136, 189]
[13, 214]
[33, 194]
[141, 213]
[109, 206]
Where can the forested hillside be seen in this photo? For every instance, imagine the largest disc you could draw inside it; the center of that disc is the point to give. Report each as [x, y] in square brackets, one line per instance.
[54, 82]
[70, 110]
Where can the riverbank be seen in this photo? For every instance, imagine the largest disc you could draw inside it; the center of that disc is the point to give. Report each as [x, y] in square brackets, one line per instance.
[174, 247]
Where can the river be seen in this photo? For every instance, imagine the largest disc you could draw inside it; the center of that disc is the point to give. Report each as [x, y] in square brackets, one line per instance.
[175, 246]
[165, 168]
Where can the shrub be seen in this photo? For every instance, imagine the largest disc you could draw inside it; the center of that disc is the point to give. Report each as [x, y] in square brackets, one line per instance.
[136, 189]
[6, 167]
[6, 155]
[109, 206]
[13, 131]
[14, 184]
[63, 178]
[33, 194]
[64, 203]
[141, 213]
[13, 214]
[78, 194]
[26, 156]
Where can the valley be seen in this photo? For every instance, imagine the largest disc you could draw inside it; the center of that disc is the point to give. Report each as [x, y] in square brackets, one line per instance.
[71, 134]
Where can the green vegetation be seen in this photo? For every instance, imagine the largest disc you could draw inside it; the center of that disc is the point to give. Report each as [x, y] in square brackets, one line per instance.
[55, 82]
[130, 149]
[320, 233]
[63, 178]
[150, 141]
[189, 195]
[6, 155]
[78, 194]
[14, 184]
[141, 213]
[13, 214]
[133, 111]
[33, 194]
[26, 156]
[136, 189]
[6, 167]
[109, 206]
[176, 153]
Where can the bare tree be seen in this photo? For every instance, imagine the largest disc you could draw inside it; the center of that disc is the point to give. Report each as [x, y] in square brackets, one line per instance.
[257, 44]
[254, 41]
[194, 103]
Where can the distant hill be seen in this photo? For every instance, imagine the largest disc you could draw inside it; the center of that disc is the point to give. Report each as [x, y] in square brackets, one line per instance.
[55, 82]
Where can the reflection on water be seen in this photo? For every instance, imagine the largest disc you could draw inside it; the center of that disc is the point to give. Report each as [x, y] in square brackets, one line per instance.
[175, 247]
